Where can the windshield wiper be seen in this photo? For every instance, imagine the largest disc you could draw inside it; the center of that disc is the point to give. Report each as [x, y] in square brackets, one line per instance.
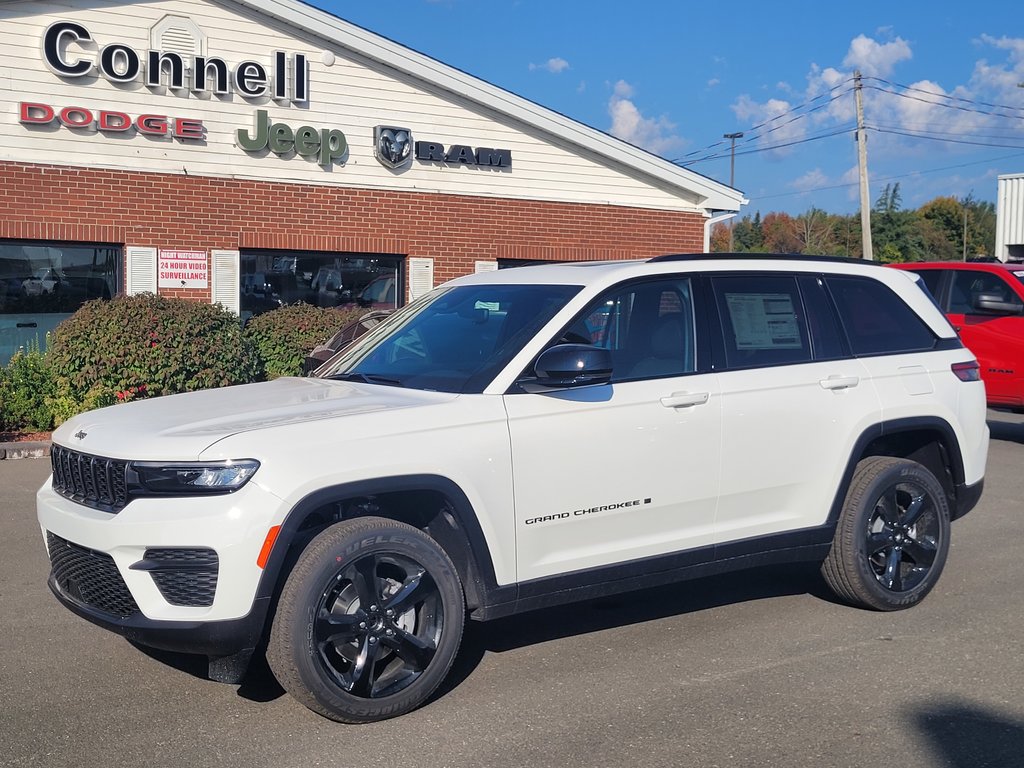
[366, 378]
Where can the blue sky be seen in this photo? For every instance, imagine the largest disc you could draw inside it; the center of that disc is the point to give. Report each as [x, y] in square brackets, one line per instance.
[672, 77]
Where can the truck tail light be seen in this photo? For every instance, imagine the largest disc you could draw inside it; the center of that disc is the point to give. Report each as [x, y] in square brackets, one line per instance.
[967, 371]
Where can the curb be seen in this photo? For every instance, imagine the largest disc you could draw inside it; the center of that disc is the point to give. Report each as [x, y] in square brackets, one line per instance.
[26, 450]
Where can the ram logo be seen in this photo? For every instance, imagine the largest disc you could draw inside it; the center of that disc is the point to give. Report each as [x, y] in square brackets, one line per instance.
[392, 146]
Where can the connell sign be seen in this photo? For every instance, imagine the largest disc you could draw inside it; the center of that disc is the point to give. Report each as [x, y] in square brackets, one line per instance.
[69, 50]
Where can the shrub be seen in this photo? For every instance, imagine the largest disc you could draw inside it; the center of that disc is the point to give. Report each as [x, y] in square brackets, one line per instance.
[26, 390]
[285, 336]
[132, 347]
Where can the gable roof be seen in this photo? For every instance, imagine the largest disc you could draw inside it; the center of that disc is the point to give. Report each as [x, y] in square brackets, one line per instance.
[711, 195]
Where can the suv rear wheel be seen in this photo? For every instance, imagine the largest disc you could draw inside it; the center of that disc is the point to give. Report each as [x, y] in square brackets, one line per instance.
[892, 538]
[369, 621]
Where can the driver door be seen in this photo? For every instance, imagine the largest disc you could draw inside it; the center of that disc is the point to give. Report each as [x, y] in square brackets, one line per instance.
[626, 470]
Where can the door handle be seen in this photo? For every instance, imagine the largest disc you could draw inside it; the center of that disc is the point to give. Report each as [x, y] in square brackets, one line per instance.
[684, 399]
[839, 382]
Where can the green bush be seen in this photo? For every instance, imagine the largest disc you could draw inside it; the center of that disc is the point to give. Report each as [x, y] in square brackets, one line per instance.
[26, 390]
[283, 337]
[132, 347]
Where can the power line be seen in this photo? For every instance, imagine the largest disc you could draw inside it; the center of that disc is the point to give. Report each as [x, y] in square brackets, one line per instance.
[893, 177]
[948, 141]
[750, 132]
[923, 128]
[945, 96]
[944, 106]
[768, 148]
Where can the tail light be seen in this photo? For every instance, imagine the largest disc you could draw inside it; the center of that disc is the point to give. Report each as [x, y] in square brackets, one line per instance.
[967, 371]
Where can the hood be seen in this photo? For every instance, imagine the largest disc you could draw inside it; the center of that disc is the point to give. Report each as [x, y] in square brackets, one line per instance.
[181, 427]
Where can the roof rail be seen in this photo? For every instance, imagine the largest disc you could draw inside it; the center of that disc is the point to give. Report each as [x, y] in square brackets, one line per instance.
[755, 256]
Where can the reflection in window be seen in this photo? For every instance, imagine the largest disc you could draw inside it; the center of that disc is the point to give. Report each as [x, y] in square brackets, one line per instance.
[648, 327]
[41, 283]
[270, 279]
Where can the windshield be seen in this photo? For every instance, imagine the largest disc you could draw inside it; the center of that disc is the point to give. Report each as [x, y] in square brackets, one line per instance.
[453, 340]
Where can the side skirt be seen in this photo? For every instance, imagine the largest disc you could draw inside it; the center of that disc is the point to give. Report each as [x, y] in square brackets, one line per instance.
[808, 545]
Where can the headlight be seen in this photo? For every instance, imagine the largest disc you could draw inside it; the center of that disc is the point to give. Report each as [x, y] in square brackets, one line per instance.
[164, 478]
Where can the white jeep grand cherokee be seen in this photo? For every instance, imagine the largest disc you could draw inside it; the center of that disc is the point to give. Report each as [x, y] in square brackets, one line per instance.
[520, 439]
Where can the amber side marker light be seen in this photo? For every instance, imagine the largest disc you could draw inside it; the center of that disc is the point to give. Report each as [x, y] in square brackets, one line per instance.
[268, 544]
[967, 371]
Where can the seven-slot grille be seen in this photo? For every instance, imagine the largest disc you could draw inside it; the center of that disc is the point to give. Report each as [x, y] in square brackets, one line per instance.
[89, 577]
[91, 480]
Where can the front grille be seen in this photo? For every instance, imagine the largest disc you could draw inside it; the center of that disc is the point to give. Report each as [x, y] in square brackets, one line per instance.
[91, 480]
[89, 577]
[184, 576]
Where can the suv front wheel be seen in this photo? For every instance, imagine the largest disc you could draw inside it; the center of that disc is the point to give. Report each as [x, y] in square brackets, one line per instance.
[369, 621]
[892, 538]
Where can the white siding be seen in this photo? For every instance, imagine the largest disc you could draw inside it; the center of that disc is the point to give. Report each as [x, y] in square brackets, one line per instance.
[1009, 214]
[353, 95]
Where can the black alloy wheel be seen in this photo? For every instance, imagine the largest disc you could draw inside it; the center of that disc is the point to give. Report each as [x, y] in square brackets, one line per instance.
[377, 624]
[369, 621]
[892, 537]
[903, 537]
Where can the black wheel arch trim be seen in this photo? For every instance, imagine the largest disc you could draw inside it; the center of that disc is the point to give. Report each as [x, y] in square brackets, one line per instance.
[898, 426]
[461, 509]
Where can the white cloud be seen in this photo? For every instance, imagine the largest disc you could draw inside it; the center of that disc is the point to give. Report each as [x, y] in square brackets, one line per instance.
[655, 134]
[554, 65]
[811, 180]
[876, 59]
[713, 82]
[776, 131]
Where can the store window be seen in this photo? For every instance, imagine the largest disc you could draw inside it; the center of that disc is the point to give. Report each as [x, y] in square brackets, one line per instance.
[42, 283]
[271, 279]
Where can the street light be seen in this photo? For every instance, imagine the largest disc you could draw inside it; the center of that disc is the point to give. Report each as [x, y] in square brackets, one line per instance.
[732, 172]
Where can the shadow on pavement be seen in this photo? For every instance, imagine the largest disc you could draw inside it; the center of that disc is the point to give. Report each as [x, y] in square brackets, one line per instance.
[564, 621]
[1006, 430]
[629, 608]
[966, 735]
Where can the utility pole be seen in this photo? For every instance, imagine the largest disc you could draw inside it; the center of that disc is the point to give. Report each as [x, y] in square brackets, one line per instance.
[862, 163]
[964, 205]
[732, 173]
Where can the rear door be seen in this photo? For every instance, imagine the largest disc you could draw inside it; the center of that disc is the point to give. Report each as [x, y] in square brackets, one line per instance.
[793, 402]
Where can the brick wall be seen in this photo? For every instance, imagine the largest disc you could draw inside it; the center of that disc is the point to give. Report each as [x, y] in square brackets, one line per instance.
[42, 202]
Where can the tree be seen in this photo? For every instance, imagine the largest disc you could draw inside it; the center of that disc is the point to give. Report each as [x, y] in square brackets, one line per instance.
[780, 234]
[816, 232]
[720, 237]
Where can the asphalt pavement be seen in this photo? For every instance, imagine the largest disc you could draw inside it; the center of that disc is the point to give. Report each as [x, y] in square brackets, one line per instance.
[761, 668]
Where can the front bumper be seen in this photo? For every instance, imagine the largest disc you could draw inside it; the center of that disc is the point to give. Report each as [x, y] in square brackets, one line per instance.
[103, 576]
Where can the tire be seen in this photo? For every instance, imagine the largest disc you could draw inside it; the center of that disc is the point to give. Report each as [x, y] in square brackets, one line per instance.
[892, 538]
[369, 621]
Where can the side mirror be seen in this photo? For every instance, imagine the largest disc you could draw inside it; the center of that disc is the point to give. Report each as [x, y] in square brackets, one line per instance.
[993, 302]
[566, 366]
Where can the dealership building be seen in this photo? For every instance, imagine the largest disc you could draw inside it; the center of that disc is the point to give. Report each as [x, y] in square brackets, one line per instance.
[260, 152]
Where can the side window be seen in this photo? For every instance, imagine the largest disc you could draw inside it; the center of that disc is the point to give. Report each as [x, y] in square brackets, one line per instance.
[762, 320]
[826, 335]
[967, 286]
[876, 320]
[648, 327]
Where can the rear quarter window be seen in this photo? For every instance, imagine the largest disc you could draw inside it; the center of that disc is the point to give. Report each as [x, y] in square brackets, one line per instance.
[876, 319]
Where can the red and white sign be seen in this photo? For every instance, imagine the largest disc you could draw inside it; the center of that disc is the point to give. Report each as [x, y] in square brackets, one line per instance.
[183, 269]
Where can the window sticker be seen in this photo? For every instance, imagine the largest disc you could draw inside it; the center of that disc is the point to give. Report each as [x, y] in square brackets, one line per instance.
[763, 320]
